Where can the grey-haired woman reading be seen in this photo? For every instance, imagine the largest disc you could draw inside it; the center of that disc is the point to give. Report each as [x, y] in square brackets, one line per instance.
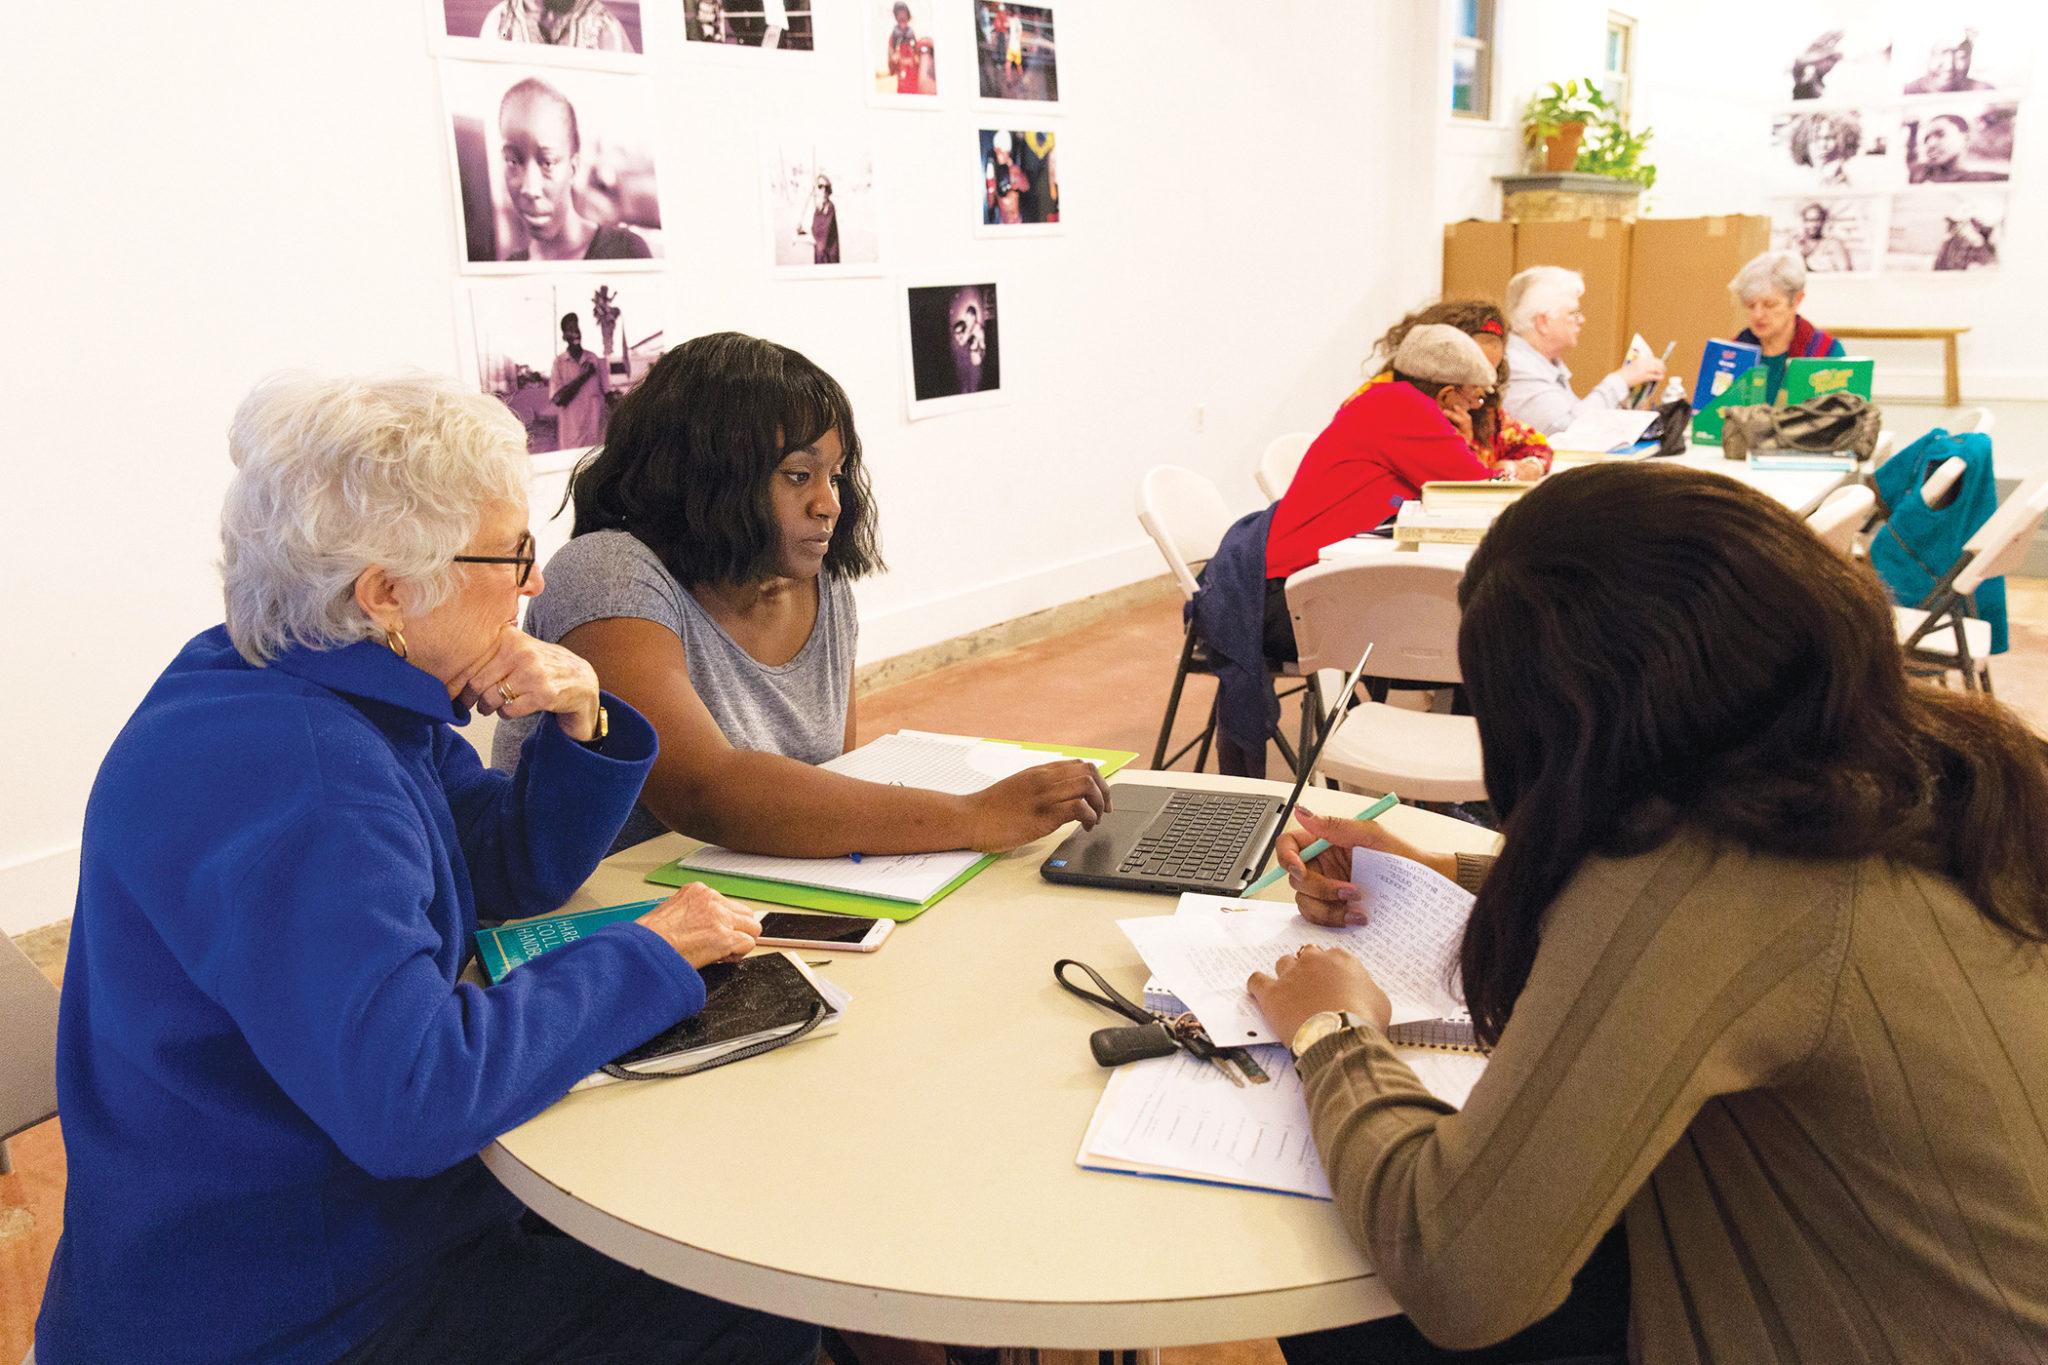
[272, 1079]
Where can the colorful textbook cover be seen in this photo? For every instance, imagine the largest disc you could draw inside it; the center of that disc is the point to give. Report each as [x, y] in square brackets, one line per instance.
[1813, 377]
[1747, 382]
[1721, 363]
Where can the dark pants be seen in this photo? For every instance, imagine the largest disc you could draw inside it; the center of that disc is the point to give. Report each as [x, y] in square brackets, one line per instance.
[1242, 760]
[1589, 1328]
[527, 1295]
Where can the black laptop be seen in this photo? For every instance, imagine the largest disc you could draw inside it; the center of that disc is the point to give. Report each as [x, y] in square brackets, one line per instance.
[1178, 839]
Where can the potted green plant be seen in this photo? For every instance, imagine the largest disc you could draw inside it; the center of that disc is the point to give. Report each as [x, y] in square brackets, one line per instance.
[1557, 120]
[1611, 149]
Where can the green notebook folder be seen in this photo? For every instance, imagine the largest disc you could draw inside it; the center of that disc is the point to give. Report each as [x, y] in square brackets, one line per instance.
[505, 947]
[850, 903]
[1749, 388]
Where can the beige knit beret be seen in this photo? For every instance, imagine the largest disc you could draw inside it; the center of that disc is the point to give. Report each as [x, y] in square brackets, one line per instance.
[1441, 354]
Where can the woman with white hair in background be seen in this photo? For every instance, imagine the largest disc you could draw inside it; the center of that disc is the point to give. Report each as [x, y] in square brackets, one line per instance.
[1770, 289]
[273, 1082]
[1544, 319]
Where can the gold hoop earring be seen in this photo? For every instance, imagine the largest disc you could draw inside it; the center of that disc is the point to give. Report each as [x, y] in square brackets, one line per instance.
[395, 642]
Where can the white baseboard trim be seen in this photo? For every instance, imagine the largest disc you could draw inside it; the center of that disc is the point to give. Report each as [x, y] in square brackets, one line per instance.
[915, 625]
[39, 891]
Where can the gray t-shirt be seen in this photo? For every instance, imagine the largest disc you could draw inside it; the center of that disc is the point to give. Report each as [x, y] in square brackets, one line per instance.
[797, 709]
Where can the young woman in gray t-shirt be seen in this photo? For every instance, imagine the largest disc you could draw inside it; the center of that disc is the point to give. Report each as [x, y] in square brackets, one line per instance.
[717, 533]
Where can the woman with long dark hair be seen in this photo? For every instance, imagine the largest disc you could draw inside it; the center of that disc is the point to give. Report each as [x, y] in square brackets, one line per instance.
[710, 583]
[1761, 958]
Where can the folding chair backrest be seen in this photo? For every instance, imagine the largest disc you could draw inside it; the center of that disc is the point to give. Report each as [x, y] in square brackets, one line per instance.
[1837, 520]
[1938, 489]
[1281, 458]
[1975, 419]
[1408, 611]
[28, 1042]
[1185, 515]
[2000, 545]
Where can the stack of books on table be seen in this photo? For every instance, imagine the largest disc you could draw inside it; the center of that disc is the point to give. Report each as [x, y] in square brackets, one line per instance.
[1415, 523]
[1455, 513]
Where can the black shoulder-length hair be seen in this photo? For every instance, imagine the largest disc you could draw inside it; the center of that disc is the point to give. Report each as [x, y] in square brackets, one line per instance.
[688, 457]
[1652, 647]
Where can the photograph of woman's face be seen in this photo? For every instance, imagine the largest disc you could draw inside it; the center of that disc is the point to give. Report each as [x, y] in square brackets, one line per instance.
[540, 158]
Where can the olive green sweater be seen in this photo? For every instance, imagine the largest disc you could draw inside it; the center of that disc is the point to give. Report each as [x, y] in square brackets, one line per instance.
[1817, 1091]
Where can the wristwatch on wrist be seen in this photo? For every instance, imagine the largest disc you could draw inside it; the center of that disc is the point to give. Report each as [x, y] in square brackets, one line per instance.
[604, 727]
[1317, 1027]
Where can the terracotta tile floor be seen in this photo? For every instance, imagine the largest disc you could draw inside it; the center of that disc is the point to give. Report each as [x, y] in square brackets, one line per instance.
[1103, 685]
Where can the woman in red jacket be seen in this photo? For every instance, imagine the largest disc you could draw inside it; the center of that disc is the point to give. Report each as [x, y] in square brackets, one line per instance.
[1383, 445]
[1379, 450]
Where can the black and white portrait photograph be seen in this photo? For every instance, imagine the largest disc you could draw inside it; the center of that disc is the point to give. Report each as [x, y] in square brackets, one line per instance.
[1848, 63]
[819, 204]
[1984, 50]
[763, 25]
[903, 49]
[1834, 236]
[1834, 150]
[553, 167]
[1020, 182]
[576, 32]
[561, 351]
[1946, 230]
[1953, 144]
[952, 337]
[1017, 57]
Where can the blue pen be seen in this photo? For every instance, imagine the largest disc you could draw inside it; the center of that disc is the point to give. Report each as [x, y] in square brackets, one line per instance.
[1372, 812]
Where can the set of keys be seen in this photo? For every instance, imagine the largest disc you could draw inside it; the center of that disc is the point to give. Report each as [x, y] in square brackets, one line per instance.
[1155, 1034]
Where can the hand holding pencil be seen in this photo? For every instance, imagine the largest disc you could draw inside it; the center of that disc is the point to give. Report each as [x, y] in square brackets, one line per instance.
[1321, 876]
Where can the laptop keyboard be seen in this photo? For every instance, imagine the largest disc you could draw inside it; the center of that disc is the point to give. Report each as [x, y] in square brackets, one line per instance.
[1197, 837]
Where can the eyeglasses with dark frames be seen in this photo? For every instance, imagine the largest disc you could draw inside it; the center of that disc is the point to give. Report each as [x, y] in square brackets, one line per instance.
[525, 558]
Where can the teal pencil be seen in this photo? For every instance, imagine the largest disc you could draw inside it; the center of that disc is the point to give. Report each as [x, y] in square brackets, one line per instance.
[1372, 812]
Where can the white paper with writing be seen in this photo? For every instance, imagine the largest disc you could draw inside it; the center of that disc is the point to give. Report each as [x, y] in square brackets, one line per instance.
[1205, 951]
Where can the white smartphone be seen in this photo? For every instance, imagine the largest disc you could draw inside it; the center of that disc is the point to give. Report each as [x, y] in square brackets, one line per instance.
[843, 933]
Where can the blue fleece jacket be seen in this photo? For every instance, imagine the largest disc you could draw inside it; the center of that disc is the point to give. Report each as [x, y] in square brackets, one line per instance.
[272, 1087]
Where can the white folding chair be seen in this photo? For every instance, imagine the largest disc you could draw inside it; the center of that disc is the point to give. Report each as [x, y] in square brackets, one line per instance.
[1409, 612]
[1186, 516]
[1841, 515]
[28, 1046]
[1975, 419]
[1280, 459]
[1936, 635]
[1937, 490]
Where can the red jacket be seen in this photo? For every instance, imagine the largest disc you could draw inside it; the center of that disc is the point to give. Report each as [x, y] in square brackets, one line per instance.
[1378, 451]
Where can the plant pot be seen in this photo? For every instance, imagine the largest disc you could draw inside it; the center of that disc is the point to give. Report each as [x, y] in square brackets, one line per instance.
[1561, 149]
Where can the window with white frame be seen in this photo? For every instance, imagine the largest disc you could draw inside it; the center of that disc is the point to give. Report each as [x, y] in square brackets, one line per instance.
[1472, 60]
[1617, 82]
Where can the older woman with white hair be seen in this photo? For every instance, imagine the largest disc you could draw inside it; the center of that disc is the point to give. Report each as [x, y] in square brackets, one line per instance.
[1544, 322]
[272, 1078]
[1770, 289]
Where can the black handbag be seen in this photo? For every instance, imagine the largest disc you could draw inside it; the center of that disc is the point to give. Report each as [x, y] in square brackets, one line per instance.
[1669, 428]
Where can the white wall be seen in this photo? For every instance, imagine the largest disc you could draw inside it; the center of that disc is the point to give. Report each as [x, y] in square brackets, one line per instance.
[1709, 92]
[194, 203]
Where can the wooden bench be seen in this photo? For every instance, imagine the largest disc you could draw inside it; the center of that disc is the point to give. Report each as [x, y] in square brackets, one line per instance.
[1945, 335]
